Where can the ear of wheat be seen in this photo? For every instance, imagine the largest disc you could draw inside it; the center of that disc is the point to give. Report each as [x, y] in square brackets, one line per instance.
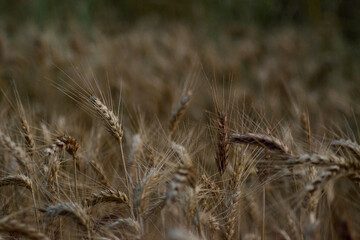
[222, 142]
[178, 112]
[110, 120]
[13, 226]
[15, 151]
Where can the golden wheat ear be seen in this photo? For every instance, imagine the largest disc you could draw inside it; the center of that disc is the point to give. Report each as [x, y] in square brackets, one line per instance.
[178, 112]
[12, 226]
[107, 195]
[16, 151]
[109, 118]
[222, 142]
[347, 145]
[73, 211]
[29, 139]
[265, 141]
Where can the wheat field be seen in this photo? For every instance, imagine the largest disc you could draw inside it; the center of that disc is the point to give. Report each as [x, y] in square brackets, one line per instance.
[162, 133]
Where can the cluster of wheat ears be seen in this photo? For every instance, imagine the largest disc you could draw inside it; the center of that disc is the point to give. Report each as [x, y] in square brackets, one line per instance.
[244, 183]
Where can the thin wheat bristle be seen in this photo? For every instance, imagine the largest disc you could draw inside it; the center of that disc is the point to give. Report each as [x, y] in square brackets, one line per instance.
[12, 226]
[178, 112]
[17, 180]
[111, 121]
[222, 142]
[107, 195]
[29, 140]
[265, 141]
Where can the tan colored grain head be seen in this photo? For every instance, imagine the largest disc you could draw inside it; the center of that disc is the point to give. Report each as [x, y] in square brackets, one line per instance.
[222, 142]
[178, 112]
[12, 226]
[16, 180]
[29, 139]
[100, 172]
[107, 195]
[16, 151]
[261, 140]
[69, 209]
[109, 118]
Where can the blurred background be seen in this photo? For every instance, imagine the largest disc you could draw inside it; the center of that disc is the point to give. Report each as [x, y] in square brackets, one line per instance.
[210, 15]
[281, 56]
